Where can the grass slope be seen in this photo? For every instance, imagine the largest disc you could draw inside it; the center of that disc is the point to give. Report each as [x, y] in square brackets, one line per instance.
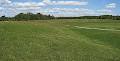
[59, 41]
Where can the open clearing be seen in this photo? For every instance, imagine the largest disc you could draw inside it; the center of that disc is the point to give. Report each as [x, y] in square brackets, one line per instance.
[60, 40]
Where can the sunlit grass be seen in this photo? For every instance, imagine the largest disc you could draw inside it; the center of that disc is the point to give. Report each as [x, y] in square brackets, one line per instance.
[59, 41]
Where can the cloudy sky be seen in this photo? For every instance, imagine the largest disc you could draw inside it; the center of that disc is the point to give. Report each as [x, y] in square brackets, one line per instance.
[60, 7]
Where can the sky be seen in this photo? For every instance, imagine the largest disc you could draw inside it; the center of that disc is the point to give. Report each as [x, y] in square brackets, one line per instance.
[60, 8]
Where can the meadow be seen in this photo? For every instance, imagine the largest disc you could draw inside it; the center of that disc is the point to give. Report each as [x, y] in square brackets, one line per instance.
[60, 40]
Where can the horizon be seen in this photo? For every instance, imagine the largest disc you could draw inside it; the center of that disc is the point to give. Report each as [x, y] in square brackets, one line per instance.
[61, 8]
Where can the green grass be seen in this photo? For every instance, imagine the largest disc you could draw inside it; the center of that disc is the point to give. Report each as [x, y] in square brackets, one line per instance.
[59, 41]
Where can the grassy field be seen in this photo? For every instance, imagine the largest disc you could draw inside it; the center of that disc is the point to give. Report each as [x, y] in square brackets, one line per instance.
[59, 40]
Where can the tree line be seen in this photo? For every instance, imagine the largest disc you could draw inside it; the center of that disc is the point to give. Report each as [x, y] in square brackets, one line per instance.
[26, 17]
[93, 17]
[39, 16]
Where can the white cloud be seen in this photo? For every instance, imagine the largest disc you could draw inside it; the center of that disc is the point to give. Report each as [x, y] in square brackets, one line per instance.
[1, 8]
[49, 2]
[1, 11]
[64, 11]
[105, 10]
[3, 2]
[24, 6]
[69, 3]
[111, 5]
[14, 8]
[27, 4]
[77, 12]
[46, 1]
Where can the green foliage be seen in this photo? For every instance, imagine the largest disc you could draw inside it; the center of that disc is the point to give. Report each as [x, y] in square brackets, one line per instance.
[31, 16]
[39, 16]
[3, 18]
[27, 16]
[93, 17]
[59, 40]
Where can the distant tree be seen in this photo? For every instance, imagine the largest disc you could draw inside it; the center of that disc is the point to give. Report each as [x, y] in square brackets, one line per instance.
[3, 18]
[39, 16]
[106, 16]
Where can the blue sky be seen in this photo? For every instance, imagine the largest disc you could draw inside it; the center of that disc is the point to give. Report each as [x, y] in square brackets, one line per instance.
[60, 7]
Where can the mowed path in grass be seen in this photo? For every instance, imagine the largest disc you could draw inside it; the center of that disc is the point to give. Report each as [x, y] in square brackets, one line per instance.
[96, 28]
[54, 41]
